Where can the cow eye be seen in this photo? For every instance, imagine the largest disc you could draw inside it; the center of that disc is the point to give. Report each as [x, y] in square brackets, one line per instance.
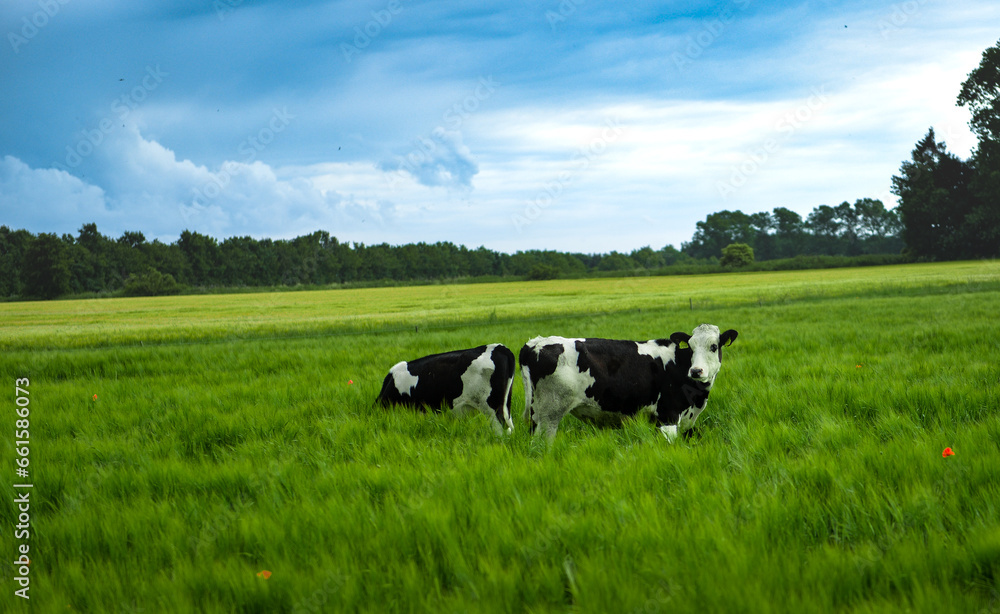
[715, 348]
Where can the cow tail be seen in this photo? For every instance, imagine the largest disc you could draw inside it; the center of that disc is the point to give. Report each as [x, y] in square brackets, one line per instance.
[382, 400]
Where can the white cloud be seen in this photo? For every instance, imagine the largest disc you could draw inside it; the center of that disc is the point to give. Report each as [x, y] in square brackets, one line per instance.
[439, 159]
[47, 198]
[145, 187]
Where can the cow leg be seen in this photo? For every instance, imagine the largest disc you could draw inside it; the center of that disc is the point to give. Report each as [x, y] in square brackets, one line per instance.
[506, 406]
[528, 394]
[547, 414]
[492, 416]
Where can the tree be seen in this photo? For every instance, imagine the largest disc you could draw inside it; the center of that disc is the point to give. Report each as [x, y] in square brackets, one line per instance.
[980, 93]
[13, 244]
[823, 221]
[789, 233]
[847, 218]
[151, 283]
[717, 231]
[935, 201]
[202, 256]
[736, 255]
[46, 271]
[616, 262]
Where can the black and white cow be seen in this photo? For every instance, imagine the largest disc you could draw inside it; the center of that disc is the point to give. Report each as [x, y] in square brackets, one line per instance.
[603, 380]
[478, 379]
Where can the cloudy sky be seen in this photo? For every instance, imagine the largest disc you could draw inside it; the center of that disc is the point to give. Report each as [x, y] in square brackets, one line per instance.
[574, 125]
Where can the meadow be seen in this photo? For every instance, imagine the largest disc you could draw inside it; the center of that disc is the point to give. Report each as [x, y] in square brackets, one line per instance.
[181, 446]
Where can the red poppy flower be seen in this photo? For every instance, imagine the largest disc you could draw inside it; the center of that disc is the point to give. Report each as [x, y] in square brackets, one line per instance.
[350, 381]
[95, 397]
[264, 574]
[948, 452]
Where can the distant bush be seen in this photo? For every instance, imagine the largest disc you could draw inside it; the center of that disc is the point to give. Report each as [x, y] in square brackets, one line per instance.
[151, 283]
[543, 271]
[736, 255]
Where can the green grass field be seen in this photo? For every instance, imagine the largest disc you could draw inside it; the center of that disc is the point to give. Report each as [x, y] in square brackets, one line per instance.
[226, 439]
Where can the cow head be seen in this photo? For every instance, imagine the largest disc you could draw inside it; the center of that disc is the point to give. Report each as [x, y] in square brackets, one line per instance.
[706, 350]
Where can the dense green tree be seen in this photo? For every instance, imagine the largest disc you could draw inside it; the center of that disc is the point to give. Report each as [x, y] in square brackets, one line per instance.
[935, 201]
[671, 255]
[202, 259]
[646, 258]
[824, 222]
[616, 262]
[789, 233]
[980, 93]
[717, 231]
[128, 255]
[45, 273]
[736, 255]
[13, 244]
[847, 218]
[151, 283]
[241, 264]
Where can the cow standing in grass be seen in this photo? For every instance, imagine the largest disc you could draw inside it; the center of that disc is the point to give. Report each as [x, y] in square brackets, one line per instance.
[477, 379]
[603, 381]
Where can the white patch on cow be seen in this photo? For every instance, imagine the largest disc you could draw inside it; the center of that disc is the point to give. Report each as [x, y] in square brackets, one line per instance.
[669, 431]
[404, 380]
[649, 411]
[705, 362]
[684, 422]
[564, 390]
[688, 417]
[476, 388]
[665, 353]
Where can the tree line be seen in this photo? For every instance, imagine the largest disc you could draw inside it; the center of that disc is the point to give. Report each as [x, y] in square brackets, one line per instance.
[48, 266]
[866, 227]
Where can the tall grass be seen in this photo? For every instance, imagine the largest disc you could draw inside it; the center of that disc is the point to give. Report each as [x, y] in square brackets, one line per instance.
[236, 444]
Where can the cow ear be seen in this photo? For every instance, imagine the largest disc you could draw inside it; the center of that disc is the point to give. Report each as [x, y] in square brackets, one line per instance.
[679, 338]
[728, 337]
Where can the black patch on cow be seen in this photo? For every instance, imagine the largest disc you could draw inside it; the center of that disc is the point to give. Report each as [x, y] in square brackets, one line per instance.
[541, 365]
[625, 380]
[439, 380]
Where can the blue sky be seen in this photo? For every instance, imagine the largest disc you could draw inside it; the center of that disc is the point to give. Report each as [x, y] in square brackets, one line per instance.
[573, 125]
